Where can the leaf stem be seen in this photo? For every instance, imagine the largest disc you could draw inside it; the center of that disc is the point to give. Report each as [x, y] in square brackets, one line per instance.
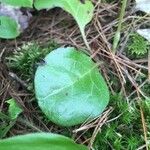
[118, 32]
[85, 39]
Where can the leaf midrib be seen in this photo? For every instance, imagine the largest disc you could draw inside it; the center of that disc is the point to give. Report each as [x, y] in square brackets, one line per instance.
[61, 89]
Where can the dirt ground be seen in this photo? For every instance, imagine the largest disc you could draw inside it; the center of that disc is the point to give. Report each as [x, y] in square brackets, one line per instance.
[60, 27]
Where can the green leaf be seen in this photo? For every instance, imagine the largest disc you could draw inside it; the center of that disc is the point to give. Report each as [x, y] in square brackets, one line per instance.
[9, 28]
[81, 11]
[19, 3]
[14, 110]
[40, 141]
[69, 87]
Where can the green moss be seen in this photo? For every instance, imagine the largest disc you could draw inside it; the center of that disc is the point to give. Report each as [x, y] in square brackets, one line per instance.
[137, 46]
[125, 132]
[25, 59]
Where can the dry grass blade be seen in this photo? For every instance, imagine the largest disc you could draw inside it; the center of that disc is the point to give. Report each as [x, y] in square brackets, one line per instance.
[149, 66]
[144, 127]
[96, 124]
[101, 121]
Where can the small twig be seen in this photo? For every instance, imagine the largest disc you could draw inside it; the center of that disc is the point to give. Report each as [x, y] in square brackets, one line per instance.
[143, 121]
[115, 118]
[86, 125]
[149, 65]
[139, 87]
[29, 124]
[141, 147]
[144, 126]
[133, 82]
[14, 76]
[101, 122]
[1, 54]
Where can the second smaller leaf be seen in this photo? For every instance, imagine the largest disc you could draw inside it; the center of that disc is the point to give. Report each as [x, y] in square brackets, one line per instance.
[20, 3]
[14, 110]
[9, 28]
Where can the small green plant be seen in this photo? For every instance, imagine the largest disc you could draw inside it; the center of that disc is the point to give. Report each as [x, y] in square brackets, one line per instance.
[8, 120]
[14, 109]
[5, 124]
[137, 45]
